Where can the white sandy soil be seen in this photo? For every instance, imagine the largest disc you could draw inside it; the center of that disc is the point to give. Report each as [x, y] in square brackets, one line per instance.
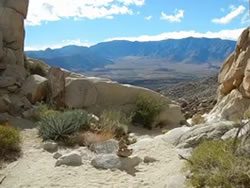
[36, 168]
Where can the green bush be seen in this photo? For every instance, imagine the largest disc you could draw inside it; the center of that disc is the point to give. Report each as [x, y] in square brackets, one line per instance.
[9, 142]
[213, 164]
[114, 122]
[59, 126]
[44, 110]
[146, 110]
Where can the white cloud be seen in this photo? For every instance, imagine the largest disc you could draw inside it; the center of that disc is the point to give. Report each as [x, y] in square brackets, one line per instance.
[133, 2]
[177, 17]
[235, 12]
[61, 44]
[223, 34]
[148, 18]
[54, 10]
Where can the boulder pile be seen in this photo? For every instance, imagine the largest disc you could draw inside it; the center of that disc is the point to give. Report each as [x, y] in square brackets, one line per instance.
[234, 82]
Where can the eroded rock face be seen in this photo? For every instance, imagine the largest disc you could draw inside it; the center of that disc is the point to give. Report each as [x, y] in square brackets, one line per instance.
[234, 80]
[13, 13]
[12, 71]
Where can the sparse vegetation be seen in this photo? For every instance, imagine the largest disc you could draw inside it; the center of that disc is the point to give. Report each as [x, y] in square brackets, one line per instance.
[88, 138]
[9, 143]
[44, 110]
[58, 126]
[114, 122]
[214, 164]
[146, 110]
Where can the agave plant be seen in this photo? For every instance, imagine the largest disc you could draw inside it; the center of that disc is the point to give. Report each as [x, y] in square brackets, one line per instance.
[60, 125]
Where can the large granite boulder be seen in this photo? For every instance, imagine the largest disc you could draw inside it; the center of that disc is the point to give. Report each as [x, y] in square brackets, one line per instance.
[13, 13]
[234, 80]
[35, 88]
[97, 94]
[12, 71]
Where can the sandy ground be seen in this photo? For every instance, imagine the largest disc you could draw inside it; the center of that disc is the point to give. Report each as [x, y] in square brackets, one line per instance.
[36, 168]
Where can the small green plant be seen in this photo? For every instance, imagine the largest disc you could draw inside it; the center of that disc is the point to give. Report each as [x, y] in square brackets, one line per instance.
[9, 142]
[59, 126]
[43, 110]
[114, 122]
[146, 110]
[213, 164]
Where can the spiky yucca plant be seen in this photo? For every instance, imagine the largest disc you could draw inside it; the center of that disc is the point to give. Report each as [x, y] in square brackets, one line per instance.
[61, 125]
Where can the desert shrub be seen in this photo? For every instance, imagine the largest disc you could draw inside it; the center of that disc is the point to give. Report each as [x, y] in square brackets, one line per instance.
[9, 142]
[213, 164]
[43, 110]
[198, 119]
[146, 110]
[35, 68]
[87, 138]
[59, 126]
[114, 122]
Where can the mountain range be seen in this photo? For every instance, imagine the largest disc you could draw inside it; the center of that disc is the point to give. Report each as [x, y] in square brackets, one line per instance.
[188, 50]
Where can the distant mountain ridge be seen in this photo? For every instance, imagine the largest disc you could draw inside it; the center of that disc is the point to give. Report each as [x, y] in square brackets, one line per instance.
[187, 50]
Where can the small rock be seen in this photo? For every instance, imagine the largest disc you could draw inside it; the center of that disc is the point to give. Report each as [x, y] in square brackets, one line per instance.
[94, 118]
[107, 161]
[124, 152]
[132, 138]
[28, 114]
[12, 89]
[50, 146]
[70, 159]
[186, 153]
[107, 147]
[4, 118]
[129, 164]
[57, 155]
[148, 159]
[85, 153]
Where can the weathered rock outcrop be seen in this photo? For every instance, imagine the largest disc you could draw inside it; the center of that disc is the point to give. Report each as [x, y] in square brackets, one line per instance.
[13, 13]
[234, 80]
[96, 94]
[12, 71]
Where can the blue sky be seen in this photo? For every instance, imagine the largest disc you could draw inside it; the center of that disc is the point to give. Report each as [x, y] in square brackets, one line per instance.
[56, 23]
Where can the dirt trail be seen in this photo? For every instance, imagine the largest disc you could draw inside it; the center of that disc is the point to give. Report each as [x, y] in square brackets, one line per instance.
[36, 168]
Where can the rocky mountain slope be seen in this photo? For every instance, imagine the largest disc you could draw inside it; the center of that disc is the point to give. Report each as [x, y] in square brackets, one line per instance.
[198, 96]
[188, 50]
[234, 88]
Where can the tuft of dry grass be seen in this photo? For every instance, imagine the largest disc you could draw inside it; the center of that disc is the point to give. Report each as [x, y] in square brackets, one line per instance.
[198, 119]
[88, 138]
[214, 164]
